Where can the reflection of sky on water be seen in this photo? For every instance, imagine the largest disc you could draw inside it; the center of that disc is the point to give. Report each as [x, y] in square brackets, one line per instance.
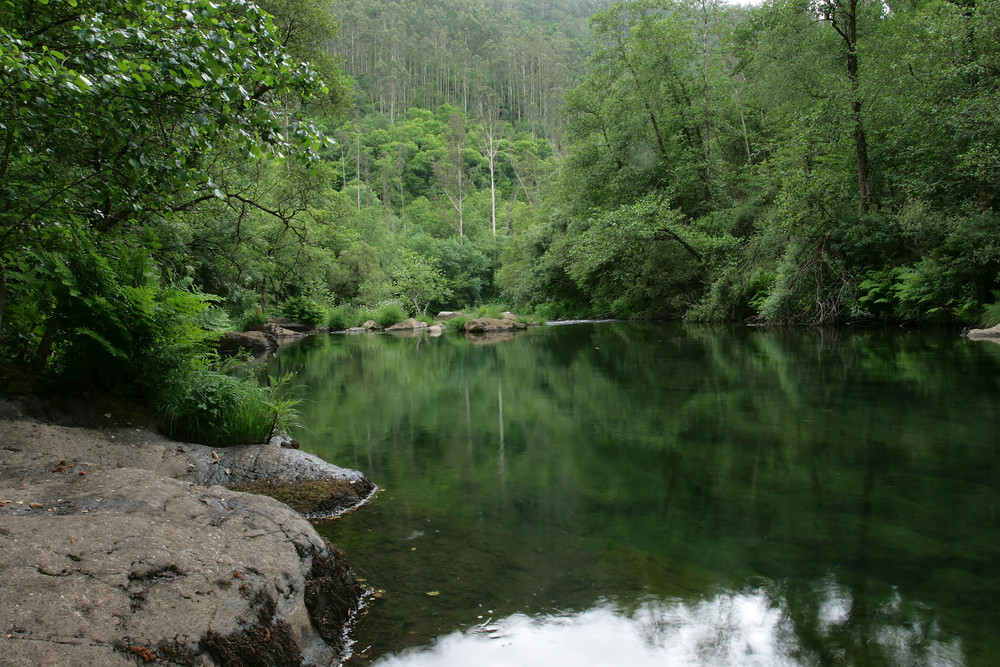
[747, 629]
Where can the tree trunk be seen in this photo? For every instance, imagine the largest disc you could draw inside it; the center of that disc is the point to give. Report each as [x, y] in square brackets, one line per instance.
[45, 346]
[3, 291]
[844, 20]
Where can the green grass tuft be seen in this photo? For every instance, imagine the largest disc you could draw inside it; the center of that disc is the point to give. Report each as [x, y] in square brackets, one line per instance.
[215, 408]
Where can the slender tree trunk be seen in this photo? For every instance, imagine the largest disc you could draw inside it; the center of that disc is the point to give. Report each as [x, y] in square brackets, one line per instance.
[45, 346]
[844, 19]
[706, 121]
[860, 138]
[493, 198]
[864, 168]
[743, 122]
[3, 291]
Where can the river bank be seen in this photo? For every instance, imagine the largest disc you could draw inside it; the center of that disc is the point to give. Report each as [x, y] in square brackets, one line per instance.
[120, 546]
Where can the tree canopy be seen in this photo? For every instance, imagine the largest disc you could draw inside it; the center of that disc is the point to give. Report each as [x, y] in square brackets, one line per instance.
[810, 161]
[817, 162]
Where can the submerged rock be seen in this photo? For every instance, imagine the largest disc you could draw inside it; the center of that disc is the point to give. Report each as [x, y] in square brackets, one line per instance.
[119, 546]
[490, 338]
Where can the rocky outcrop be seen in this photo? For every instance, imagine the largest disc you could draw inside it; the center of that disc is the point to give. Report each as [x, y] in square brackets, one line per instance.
[290, 325]
[984, 334]
[275, 329]
[310, 485]
[409, 324]
[118, 546]
[446, 315]
[255, 342]
[491, 325]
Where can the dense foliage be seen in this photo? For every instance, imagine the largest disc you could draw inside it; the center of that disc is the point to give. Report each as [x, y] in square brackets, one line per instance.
[424, 53]
[803, 161]
[121, 122]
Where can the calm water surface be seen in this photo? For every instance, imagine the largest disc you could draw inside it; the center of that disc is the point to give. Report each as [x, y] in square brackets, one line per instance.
[632, 494]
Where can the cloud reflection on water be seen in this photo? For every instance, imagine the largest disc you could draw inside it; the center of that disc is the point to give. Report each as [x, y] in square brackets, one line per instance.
[748, 629]
[732, 629]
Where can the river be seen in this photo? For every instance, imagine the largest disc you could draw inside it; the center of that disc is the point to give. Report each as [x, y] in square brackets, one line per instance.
[629, 494]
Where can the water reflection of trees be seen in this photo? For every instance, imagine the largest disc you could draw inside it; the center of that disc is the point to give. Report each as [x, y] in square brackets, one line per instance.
[672, 460]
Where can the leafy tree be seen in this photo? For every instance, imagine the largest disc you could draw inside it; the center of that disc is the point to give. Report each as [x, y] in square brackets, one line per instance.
[419, 282]
[119, 115]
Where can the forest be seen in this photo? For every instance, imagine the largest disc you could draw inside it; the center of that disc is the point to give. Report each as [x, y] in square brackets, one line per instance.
[173, 169]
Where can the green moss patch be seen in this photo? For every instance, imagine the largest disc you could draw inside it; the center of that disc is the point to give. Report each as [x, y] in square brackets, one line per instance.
[312, 499]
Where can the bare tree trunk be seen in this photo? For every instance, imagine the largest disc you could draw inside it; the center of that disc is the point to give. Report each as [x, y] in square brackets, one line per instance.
[743, 122]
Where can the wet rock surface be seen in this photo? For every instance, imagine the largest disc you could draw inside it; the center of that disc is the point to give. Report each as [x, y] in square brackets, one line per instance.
[118, 546]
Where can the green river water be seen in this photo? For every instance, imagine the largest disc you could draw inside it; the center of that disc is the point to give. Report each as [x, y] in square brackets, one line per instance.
[628, 494]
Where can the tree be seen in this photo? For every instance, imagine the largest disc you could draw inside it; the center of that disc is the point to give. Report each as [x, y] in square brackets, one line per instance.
[119, 114]
[456, 180]
[842, 16]
[418, 281]
[491, 138]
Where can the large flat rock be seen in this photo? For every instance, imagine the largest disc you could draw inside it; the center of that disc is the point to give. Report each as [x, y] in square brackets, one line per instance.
[118, 546]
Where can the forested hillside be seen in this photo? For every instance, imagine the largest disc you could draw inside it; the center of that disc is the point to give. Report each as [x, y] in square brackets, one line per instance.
[170, 169]
[424, 53]
[814, 162]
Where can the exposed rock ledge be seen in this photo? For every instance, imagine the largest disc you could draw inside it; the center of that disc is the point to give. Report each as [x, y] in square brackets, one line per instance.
[118, 547]
[993, 333]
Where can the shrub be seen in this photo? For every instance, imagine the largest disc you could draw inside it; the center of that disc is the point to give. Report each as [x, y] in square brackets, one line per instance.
[252, 318]
[490, 310]
[338, 319]
[96, 320]
[991, 314]
[303, 309]
[216, 319]
[362, 316]
[215, 408]
[389, 314]
[458, 322]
